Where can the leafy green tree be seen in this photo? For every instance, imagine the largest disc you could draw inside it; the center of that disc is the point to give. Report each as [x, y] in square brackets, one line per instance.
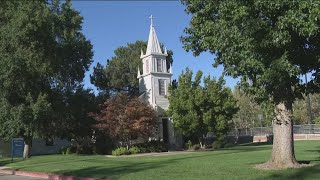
[43, 55]
[185, 106]
[249, 111]
[120, 73]
[301, 114]
[269, 44]
[197, 110]
[77, 124]
[219, 107]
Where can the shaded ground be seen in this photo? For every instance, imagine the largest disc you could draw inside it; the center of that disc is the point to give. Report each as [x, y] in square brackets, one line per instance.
[232, 163]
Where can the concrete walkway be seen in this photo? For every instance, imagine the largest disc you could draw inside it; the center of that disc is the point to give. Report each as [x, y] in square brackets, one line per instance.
[155, 154]
[13, 177]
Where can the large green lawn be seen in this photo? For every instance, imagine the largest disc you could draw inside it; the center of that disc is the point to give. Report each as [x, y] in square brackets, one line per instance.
[232, 163]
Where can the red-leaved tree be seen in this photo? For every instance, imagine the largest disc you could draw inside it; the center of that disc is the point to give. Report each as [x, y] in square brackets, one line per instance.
[124, 117]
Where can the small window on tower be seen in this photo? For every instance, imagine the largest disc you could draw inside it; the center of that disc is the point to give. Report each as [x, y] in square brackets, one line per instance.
[162, 90]
[147, 66]
[159, 65]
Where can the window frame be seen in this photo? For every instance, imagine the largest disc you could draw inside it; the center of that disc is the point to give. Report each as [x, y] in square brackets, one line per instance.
[160, 87]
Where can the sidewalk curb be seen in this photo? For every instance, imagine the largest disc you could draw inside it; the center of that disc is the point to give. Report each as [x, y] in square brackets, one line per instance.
[44, 175]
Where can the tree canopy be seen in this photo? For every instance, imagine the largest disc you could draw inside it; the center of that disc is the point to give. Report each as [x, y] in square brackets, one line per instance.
[269, 44]
[249, 111]
[197, 110]
[124, 117]
[43, 55]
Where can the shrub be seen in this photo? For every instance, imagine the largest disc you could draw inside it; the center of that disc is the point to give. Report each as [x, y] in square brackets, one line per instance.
[217, 145]
[134, 150]
[228, 145]
[66, 151]
[143, 150]
[196, 147]
[104, 143]
[152, 146]
[188, 145]
[120, 151]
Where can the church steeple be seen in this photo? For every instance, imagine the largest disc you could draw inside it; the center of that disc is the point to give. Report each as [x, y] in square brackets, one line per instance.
[153, 43]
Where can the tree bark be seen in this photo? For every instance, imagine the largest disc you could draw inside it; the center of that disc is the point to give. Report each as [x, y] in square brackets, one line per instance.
[283, 145]
[26, 150]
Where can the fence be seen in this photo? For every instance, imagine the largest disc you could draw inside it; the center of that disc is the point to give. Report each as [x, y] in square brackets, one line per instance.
[262, 131]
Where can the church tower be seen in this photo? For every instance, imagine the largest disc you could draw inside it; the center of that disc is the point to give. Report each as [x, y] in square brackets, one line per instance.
[156, 76]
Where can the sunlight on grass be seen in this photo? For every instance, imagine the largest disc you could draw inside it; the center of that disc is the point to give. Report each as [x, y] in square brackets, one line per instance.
[232, 163]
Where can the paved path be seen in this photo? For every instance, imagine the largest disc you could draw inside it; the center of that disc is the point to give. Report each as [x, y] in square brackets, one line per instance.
[12, 177]
[155, 154]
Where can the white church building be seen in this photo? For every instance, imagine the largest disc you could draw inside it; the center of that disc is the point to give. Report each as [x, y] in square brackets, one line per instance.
[154, 81]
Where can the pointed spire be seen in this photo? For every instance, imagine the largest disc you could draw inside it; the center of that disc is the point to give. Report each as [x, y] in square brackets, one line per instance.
[141, 54]
[165, 50]
[153, 43]
[139, 74]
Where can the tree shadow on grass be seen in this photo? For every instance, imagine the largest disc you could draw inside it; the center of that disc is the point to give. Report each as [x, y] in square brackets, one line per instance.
[242, 149]
[110, 172]
[123, 168]
[256, 144]
[4, 162]
[302, 173]
[23, 167]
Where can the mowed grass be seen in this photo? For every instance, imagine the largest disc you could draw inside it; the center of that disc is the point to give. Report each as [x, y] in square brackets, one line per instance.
[232, 163]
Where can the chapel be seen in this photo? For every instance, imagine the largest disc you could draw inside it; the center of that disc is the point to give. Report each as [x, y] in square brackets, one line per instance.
[154, 80]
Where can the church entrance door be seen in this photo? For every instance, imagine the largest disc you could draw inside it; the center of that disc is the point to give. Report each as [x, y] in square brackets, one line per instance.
[165, 130]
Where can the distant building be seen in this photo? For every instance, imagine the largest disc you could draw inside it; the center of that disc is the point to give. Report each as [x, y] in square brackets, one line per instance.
[154, 81]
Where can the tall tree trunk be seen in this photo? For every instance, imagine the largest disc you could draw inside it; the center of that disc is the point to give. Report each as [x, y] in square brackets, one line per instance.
[283, 144]
[27, 145]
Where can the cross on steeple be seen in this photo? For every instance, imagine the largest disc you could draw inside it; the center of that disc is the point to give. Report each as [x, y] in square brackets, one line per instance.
[151, 18]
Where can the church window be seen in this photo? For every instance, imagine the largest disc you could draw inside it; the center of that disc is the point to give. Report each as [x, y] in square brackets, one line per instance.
[162, 90]
[147, 66]
[159, 65]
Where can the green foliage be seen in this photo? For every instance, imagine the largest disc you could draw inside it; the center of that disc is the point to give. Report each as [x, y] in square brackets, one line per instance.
[188, 145]
[217, 145]
[120, 151]
[43, 56]
[268, 44]
[66, 151]
[152, 146]
[317, 120]
[228, 145]
[120, 72]
[197, 110]
[103, 144]
[301, 109]
[134, 150]
[249, 111]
